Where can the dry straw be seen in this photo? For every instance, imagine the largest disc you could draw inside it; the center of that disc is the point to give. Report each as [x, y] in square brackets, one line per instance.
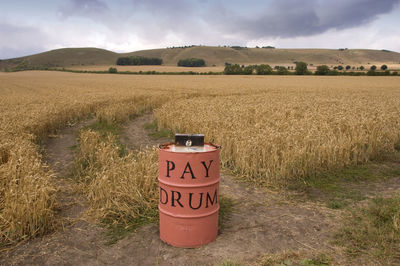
[34, 104]
[273, 137]
[26, 192]
[119, 189]
[272, 129]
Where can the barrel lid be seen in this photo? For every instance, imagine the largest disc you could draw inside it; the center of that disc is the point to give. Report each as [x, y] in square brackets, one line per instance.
[172, 147]
[189, 139]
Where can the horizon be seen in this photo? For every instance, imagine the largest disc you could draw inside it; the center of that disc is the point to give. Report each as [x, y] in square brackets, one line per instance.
[194, 45]
[125, 26]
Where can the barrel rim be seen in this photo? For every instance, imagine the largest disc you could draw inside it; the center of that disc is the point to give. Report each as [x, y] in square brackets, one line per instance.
[189, 185]
[163, 146]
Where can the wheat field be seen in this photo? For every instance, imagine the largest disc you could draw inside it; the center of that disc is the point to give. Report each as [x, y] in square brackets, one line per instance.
[145, 68]
[276, 135]
[273, 129]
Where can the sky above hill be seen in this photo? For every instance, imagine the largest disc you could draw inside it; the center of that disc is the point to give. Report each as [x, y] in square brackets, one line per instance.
[28, 27]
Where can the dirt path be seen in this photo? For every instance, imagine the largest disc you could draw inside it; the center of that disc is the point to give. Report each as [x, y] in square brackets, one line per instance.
[75, 241]
[59, 154]
[135, 136]
[261, 222]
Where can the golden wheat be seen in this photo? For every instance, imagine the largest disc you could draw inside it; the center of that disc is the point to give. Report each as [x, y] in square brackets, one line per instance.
[271, 128]
[149, 68]
[277, 135]
[118, 188]
[34, 104]
[26, 193]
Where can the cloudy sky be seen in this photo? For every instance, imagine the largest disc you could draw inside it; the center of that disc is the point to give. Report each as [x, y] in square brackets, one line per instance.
[28, 27]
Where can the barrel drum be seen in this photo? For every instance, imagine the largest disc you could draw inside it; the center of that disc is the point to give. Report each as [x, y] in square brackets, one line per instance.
[188, 194]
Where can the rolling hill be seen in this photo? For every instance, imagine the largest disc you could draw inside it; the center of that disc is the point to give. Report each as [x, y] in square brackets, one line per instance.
[217, 56]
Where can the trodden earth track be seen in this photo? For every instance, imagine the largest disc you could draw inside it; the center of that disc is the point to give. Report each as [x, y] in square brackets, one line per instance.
[261, 222]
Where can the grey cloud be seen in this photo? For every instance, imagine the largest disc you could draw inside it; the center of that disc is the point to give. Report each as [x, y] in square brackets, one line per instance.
[155, 19]
[293, 18]
[94, 9]
[223, 20]
[166, 8]
[212, 22]
[344, 14]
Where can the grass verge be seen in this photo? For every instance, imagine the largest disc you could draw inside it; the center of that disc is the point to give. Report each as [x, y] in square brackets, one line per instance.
[374, 231]
[226, 206]
[229, 263]
[117, 231]
[295, 258]
[339, 189]
[156, 133]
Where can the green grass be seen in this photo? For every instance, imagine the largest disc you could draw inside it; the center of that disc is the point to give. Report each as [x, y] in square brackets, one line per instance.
[226, 206]
[339, 189]
[118, 231]
[153, 131]
[374, 231]
[229, 263]
[295, 258]
[104, 128]
[73, 147]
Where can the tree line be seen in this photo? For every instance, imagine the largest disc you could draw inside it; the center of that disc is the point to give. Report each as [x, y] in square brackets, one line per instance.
[263, 69]
[138, 60]
[302, 69]
[192, 62]
[325, 70]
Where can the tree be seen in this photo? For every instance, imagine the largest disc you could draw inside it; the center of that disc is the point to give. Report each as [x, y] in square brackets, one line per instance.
[340, 67]
[138, 60]
[234, 69]
[348, 67]
[333, 72]
[112, 70]
[373, 68]
[301, 68]
[322, 70]
[123, 61]
[263, 69]
[192, 62]
[248, 70]
[384, 67]
[283, 70]
[362, 68]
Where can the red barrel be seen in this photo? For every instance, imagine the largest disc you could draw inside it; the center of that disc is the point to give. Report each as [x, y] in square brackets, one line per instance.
[188, 194]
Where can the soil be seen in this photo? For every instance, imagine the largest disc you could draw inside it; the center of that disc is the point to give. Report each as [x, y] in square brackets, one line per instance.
[134, 135]
[261, 222]
[59, 154]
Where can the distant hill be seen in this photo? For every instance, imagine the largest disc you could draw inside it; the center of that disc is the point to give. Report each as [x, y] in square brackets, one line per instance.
[68, 57]
[63, 58]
